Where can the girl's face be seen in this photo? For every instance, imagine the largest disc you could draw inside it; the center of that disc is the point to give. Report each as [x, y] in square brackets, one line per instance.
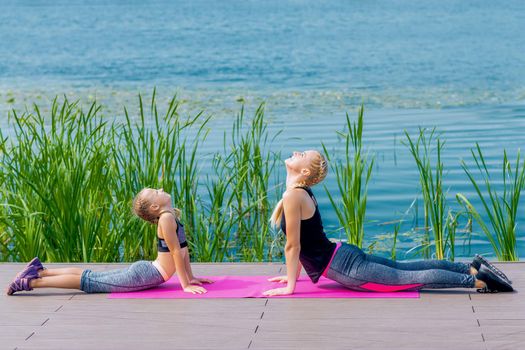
[301, 161]
[157, 197]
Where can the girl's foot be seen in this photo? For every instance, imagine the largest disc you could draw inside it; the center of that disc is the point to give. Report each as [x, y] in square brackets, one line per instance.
[19, 284]
[479, 260]
[22, 279]
[33, 267]
[36, 263]
[494, 283]
[30, 271]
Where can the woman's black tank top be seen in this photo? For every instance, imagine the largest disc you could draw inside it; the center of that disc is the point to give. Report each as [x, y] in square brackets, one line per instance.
[316, 249]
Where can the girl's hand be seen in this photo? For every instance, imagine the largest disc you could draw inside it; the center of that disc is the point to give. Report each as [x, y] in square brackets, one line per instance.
[200, 281]
[279, 279]
[194, 289]
[278, 291]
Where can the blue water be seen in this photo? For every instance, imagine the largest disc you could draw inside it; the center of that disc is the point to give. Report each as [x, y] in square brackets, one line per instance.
[457, 65]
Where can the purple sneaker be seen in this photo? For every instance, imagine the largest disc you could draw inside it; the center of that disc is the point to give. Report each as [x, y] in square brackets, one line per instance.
[36, 263]
[19, 284]
[30, 272]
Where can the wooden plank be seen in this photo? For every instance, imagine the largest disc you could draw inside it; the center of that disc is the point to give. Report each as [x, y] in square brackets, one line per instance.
[56, 319]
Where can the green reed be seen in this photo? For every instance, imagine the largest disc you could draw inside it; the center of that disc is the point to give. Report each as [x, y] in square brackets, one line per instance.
[153, 150]
[352, 176]
[55, 188]
[250, 164]
[500, 208]
[68, 179]
[393, 252]
[440, 221]
[212, 237]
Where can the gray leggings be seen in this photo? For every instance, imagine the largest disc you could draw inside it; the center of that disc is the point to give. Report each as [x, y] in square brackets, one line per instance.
[140, 275]
[364, 272]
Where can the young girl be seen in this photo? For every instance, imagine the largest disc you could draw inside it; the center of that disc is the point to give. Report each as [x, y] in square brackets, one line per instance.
[307, 245]
[153, 206]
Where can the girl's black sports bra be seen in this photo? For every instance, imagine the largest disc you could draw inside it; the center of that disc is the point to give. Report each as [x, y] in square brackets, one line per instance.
[316, 249]
[181, 235]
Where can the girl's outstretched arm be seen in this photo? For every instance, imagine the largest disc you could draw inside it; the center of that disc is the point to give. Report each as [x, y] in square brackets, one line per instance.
[292, 211]
[168, 227]
[189, 272]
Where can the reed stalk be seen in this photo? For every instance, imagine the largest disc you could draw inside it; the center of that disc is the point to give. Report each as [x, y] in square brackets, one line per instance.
[56, 180]
[153, 150]
[250, 164]
[440, 221]
[500, 208]
[352, 177]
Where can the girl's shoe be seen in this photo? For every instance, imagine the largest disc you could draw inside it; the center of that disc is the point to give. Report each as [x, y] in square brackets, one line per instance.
[30, 271]
[494, 282]
[36, 263]
[19, 284]
[22, 279]
[479, 260]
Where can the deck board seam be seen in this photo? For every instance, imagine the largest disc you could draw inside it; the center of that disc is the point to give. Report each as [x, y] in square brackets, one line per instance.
[258, 325]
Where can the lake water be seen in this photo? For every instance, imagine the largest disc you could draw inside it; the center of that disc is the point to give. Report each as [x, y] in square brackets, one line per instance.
[457, 65]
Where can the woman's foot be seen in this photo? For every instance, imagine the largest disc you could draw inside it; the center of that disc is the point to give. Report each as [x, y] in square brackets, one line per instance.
[480, 260]
[494, 283]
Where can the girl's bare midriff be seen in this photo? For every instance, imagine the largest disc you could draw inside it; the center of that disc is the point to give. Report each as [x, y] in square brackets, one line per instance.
[166, 261]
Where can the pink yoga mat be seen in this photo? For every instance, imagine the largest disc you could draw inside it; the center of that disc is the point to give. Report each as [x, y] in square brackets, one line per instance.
[253, 286]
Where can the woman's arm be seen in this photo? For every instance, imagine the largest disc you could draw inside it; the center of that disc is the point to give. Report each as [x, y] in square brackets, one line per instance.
[284, 279]
[168, 227]
[292, 210]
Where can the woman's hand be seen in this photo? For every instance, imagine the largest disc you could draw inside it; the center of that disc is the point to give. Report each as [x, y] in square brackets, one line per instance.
[199, 281]
[278, 291]
[279, 279]
[194, 289]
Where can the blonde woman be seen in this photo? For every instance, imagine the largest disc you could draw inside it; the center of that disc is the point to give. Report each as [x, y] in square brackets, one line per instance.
[307, 246]
[154, 206]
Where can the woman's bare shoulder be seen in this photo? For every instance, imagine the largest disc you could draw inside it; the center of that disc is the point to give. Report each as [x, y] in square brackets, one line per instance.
[294, 194]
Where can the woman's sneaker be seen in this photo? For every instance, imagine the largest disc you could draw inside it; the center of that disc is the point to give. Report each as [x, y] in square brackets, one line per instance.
[479, 260]
[494, 282]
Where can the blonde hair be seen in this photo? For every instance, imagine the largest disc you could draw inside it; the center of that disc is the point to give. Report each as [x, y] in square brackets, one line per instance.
[318, 171]
[142, 208]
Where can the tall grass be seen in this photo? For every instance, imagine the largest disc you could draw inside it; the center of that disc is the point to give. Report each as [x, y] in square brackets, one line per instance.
[352, 177]
[500, 208]
[153, 150]
[440, 223]
[68, 178]
[56, 183]
[243, 174]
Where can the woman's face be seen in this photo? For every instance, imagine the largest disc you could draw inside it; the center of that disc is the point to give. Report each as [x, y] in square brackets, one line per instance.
[157, 197]
[301, 161]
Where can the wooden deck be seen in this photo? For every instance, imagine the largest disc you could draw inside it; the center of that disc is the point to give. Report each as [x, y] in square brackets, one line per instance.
[445, 319]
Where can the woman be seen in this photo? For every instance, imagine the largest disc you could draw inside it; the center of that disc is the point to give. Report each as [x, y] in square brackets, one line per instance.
[307, 246]
[153, 206]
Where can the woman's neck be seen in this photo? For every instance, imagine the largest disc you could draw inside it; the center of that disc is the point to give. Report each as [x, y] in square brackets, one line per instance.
[294, 181]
